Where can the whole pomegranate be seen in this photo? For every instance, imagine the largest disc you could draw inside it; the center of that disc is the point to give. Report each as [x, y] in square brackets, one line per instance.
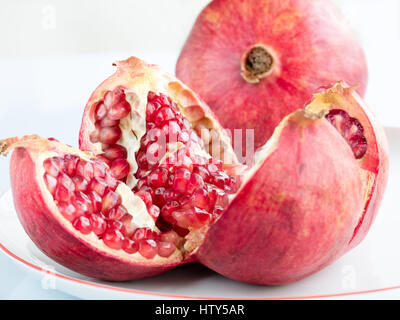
[256, 61]
[158, 185]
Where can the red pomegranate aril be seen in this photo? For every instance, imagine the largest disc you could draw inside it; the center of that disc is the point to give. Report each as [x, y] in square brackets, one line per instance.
[163, 115]
[165, 249]
[110, 200]
[170, 236]
[116, 213]
[181, 180]
[144, 234]
[145, 196]
[191, 218]
[104, 160]
[96, 201]
[195, 182]
[170, 195]
[111, 181]
[119, 111]
[113, 97]
[154, 211]
[65, 188]
[53, 166]
[157, 178]
[154, 153]
[83, 225]
[168, 209]
[51, 183]
[113, 225]
[70, 164]
[100, 111]
[110, 135]
[148, 248]
[107, 122]
[82, 204]
[115, 152]
[150, 110]
[99, 225]
[201, 199]
[153, 135]
[350, 129]
[130, 246]
[67, 210]
[120, 168]
[159, 199]
[99, 169]
[85, 169]
[80, 183]
[113, 239]
[201, 171]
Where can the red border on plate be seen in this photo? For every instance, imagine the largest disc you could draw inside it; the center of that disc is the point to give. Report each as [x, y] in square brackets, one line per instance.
[12, 255]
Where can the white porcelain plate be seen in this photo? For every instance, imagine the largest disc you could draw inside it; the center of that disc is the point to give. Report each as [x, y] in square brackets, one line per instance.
[372, 270]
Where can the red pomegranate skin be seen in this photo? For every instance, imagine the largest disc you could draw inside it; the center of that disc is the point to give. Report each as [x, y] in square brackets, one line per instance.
[311, 44]
[55, 240]
[295, 216]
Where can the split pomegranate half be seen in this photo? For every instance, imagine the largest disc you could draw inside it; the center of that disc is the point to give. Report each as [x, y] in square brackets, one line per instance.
[158, 185]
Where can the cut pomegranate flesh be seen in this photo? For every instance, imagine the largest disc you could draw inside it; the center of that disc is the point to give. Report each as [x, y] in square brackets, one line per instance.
[350, 129]
[182, 188]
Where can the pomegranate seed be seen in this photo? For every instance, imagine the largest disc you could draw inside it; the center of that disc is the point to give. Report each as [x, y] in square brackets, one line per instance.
[67, 210]
[154, 211]
[170, 236]
[114, 97]
[201, 171]
[111, 181]
[83, 225]
[80, 183]
[99, 186]
[100, 111]
[51, 182]
[53, 166]
[159, 199]
[96, 201]
[119, 111]
[144, 234]
[116, 213]
[145, 196]
[70, 164]
[83, 204]
[158, 177]
[115, 152]
[163, 115]
[120, 168]
[181, 180]
[107, 122]
[113, 225]
[148, 248]
[201, 199]
[193, 218]
[165, 249]
[212, 168]
[111, 200]
[195, 182]
[113, 239]
[99, 225]
[110, 135]
[170, 195]
[218, 210]
[129, 227]
[85, 169]
[130, 246]
[168, 209]
[154, 153]
[99, 169]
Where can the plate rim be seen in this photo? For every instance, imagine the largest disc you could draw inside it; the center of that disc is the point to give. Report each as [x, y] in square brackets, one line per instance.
[176, 296]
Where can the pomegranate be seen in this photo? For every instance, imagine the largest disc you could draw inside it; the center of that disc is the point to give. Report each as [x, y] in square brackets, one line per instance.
[256, 61]
[158, 185]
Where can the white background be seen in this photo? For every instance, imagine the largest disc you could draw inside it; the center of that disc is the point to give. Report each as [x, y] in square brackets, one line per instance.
[53, 53]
